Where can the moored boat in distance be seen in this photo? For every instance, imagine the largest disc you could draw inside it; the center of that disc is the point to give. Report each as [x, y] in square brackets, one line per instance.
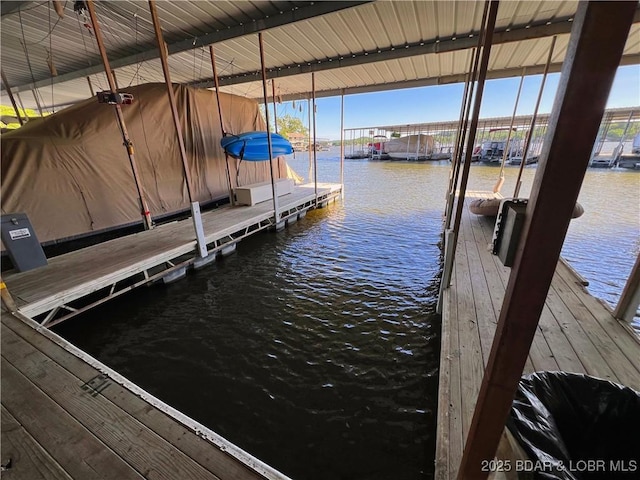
[631, 160]
[410, 147]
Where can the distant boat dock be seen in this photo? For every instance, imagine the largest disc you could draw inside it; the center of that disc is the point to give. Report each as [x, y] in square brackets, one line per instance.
[369, 142]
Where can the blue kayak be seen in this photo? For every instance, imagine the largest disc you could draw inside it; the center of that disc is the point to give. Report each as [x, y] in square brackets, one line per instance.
[254, 146]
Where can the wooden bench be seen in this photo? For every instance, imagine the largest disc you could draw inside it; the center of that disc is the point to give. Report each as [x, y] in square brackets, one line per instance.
[260, 192]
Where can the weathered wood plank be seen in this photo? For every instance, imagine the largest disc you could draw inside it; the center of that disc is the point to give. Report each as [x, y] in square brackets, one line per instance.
[25, 457]
[589, 355]
[208, 455]
[628, 342]
[80, 453]
[623, 368]
[471, 366]
[444, 394]
[456, 439]
[540, 355]
[140, 447]
[73, 275]
[564, 338]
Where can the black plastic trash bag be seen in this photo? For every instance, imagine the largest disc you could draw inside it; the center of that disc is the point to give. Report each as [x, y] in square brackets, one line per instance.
[576, 427]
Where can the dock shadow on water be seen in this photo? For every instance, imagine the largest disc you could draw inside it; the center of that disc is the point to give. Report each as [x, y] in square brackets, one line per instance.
[315, 349]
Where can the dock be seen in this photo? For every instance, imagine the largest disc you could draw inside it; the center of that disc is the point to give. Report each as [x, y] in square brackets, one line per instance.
[77, 281]
[66, 416]
[576, 333]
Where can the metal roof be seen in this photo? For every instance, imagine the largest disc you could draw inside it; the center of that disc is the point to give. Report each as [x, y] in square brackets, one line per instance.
[353, 46]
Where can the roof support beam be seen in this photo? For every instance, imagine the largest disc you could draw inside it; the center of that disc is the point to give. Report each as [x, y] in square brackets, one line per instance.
[597, 41]
[445, 80]
[525, 32]
[314, 9]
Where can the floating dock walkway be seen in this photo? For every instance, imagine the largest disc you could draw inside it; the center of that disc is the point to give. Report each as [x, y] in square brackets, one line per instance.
[72, 283]
[66, 416]
[576, 333]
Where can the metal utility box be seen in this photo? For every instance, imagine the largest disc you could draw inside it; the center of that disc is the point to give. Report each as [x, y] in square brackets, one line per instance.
[508, 229]
[21, 242]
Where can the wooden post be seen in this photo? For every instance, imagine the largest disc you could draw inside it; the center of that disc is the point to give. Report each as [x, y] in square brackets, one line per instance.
[630, 298]
[266, 113]
[315, 140]
[13, 101]
[216, 82]
[533, 120]
[195, 206]
[146, 215]
[598, 36]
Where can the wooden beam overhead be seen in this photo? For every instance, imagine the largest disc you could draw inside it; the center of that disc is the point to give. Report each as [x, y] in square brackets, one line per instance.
[600, 30]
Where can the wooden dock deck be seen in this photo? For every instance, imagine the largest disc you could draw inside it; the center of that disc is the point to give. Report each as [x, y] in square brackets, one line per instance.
[106, 270]
[576, 333]
[66, 416]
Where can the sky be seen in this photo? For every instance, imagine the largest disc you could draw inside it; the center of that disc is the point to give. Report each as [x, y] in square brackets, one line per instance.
[442, 102]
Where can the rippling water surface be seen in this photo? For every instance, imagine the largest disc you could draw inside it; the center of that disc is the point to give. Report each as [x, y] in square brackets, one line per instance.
[316, 349]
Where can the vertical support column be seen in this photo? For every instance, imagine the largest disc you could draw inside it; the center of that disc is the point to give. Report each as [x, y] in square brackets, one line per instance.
[195, 206]
[276, 214]
[146, 215]
[13, 102]
[465, 108]
[315, 141]
[598, 36]
[275, 114]
[342, 144]
[618, 150]
[455, 156]
[482, 74]
[216, 82]
[309, 172]
[630, 298]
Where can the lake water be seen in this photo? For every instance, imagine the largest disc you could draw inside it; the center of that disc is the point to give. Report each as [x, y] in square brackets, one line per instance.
[316, 349]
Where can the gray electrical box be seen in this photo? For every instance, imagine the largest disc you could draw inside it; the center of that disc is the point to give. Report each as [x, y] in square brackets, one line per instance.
[508, 229]
[21, 242]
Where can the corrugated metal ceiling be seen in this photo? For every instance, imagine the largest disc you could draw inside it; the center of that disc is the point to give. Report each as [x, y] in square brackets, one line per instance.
[369, 46]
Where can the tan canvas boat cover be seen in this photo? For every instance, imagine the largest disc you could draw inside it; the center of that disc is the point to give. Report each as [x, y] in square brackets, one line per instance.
[419, 144]
[70, 173]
